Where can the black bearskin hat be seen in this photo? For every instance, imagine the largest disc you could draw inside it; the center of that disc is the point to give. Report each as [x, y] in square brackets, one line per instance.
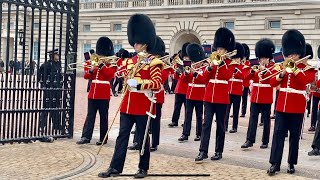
[159, 49]
[293, 42]
[141, 30]
[224, 38]
[309, 51]
[246, 51]
[124, 54]
[195, 52]
[184, 50]
[319, 52]
[264, 48]
[240, 51]
[104, 47]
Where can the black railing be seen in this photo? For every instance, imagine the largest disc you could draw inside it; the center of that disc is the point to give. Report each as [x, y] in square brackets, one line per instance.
[36, 91]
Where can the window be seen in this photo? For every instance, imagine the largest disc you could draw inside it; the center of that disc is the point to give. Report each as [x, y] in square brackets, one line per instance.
[36, 26]
[35, 50]
[317, 24]
[86, 28]
[86, 47]
[117, 27]
[117, 47]
[278, 48]
[12, 25]
[274, 24]
[229, 24]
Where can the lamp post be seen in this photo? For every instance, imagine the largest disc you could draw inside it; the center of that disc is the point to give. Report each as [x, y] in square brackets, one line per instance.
[20, 33]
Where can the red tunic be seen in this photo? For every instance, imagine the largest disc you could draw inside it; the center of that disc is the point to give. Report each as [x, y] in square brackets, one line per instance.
[100, 86]
[245, 70]
[217, 84]
[196, 86]
[149, 77]
[236, 81]
[160, 95]
[182, 85]
[293, 89]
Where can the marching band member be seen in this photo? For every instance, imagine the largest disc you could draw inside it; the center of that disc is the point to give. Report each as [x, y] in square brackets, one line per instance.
[123, 56]
[195, 94]
[235, 88]
[291, 103]
[144, 76]
[216, 97]
[180, 90]
[99, 93]
[246, 83]
[261, 94]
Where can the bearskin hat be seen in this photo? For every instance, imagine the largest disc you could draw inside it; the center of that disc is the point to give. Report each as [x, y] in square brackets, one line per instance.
[104, 47]
[319, 52]
[264, 48]
[141, 30]
[195, 52]
[159, 48]
[184, 50]
[124, 54]
[309, 51]
[224, 38]
[246, 51]
[293, 42]
[240, 51]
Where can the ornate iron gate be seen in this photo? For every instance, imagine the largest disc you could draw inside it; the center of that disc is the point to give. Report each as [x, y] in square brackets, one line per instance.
[36, 89]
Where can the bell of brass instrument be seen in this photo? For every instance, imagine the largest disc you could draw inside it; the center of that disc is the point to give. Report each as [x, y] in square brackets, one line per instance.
[216, 57]
[177, 61]
[289, 65]
[255, 68]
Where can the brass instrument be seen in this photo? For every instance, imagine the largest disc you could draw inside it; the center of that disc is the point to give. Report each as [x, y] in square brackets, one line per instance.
[255, 68]
[177, 61]
[95, 60]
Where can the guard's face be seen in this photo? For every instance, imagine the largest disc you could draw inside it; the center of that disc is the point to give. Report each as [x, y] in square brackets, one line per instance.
[221, 50]
[56, 57]
[264, 61]
[138, 47]
[294, 57]
[186, 58]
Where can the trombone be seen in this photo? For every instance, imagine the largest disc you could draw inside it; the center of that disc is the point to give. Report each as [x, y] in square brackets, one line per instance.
[95, 60]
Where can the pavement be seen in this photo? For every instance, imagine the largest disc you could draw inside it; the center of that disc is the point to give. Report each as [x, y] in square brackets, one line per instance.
[63, 159]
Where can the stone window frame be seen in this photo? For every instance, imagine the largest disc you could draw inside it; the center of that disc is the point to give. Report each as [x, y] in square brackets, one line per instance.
[269, 20]
[224, 21]
[84, 25]
[115, 43]
[113, 25]
[317, 22]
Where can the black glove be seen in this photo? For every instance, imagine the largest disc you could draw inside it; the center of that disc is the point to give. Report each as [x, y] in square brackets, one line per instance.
[209, 68]
[221, 64]
[90, 71]
[195, 74]
[235, 71]
[178, 71]
[101, 65]
[252, 71]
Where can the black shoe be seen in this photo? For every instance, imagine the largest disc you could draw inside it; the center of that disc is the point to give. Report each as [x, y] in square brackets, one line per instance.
[247, 144]
[233, 131]
[197, 138]
[291, 169]
[308, 115]
[242, 115]
[141, 174]
[231, 116]
[171, 125]
[287, 135]
[133, 132]
[47, 139]
[183, 138]
[83, 141]
[217, 156]
[182, 125]
[152, 149]
[115, 95]
[98, 143]
[314, 152]
[312, 129]
[171, 92]
[264, 146]
[134, 147]
[201, 156]
[272, 117]
[260, 124]
[273, 169]
[109, 173]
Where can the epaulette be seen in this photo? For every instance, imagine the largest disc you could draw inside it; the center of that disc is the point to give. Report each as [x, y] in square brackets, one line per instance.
[156, 61]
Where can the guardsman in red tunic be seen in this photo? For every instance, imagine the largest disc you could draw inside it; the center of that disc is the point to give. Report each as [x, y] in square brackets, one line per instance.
[124, 55]
[180, 90]
[195, 93]
[216, 97]
[235, 88]
[246, 83]
[261, 94]
[291, 104]
[144, 77]
[99, 94]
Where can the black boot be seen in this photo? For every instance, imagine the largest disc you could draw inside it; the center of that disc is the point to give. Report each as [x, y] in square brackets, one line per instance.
[264, 146]
[217, 156]
[83, 140]
[134, 147]
[183, 138]
[141, 174]
[111, 172]
[247, 144]
[291, 169]
[171, 125]
[273, 169]
[47, 139]
[152, 149]
[197, 138]
[98, 143]
[315, 152]
[201, 156]
[233, 131]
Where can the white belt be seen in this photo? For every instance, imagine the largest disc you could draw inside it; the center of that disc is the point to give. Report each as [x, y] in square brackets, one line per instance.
[197, 85]
[100, 82]
[291, 90]
[260, 85]
[218, 81]
[236, 80]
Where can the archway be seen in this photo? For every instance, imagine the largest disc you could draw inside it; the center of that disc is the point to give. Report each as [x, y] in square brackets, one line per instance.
[182, 37]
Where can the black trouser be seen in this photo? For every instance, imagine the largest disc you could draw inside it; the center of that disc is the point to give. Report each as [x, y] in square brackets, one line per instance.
[155, 126]
[209, 110]
[244, 100]
[89, 84]
[178, 101]
[316, 139]
[166, 86]
[235, 100]
[112, 86]
[93, 106]
[174, 84]
[283, 123]
[255, 109]
[314, 115]
[120, 152]
[275, 102]
[198, 106]
[118, 81]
